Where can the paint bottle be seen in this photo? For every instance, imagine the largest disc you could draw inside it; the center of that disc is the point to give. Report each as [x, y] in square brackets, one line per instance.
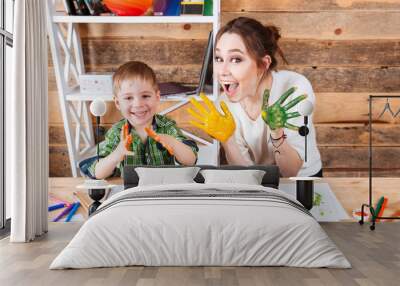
[173, 8]
[159, 7]
[208, 7]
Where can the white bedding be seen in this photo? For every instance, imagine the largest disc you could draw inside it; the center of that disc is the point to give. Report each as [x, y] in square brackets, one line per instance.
[224, 225]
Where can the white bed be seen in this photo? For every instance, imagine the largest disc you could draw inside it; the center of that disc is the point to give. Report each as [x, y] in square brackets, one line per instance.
[201, 224]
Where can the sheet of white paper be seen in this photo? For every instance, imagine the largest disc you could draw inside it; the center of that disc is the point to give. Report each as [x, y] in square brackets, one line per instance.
[77, 218]
[114, 190]
[328, 209]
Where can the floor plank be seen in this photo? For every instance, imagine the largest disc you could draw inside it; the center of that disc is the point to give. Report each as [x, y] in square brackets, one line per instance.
[374, 255]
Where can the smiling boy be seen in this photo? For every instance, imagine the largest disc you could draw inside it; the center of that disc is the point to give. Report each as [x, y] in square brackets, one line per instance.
[153, 139]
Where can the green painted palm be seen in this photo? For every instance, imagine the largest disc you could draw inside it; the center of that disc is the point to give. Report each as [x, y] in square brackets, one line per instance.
[277, 115]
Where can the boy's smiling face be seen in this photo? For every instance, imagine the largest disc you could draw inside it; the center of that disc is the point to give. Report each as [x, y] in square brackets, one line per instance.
[138, 101]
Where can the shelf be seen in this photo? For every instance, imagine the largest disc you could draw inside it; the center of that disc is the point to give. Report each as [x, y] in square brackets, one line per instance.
[76, 118]
[60, 17]
[76, 95]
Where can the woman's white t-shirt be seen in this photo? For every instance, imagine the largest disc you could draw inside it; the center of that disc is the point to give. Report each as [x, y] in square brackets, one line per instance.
[252, 135]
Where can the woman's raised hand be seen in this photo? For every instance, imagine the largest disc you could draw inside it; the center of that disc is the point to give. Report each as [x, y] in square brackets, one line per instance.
[277, 115]
[219, 126]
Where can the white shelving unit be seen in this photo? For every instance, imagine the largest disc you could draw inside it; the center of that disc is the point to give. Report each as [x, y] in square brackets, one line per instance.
[64, 38]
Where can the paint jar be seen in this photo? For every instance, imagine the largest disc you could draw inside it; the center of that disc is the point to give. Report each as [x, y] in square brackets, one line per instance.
[159, 7]
[208, 8]
[166, 7]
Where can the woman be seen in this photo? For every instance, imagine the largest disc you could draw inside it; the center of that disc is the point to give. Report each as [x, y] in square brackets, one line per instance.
[260, 121]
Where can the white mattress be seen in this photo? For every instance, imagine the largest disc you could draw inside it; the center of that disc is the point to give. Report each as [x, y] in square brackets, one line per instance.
[144, 226]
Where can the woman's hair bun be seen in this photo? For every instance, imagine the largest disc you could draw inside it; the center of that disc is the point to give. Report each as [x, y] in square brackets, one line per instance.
[259, 39]
[274, 32]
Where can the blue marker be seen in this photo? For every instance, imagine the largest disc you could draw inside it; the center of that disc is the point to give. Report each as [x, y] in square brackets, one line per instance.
[73, 211]
[64, 212]
[56, 206]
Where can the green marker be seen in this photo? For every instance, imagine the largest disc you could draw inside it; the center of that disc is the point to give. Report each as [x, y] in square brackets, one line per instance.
[378, 206]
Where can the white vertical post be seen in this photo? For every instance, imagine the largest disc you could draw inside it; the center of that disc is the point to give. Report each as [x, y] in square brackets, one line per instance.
[88, 128]
[61, 84]
[216, 25]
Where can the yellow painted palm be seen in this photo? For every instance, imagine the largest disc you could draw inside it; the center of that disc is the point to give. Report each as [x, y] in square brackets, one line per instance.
[217, 125]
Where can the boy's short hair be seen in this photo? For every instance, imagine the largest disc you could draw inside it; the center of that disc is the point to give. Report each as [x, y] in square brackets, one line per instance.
[133, 70]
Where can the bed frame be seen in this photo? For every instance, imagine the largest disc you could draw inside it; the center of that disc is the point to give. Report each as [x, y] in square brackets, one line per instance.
[270, 179]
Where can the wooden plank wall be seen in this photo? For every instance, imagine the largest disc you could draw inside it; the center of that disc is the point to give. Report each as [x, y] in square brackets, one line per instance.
[348, 49]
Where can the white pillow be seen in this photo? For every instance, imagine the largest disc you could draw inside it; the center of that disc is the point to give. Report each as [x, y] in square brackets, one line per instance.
[164, 176]
[248, 177]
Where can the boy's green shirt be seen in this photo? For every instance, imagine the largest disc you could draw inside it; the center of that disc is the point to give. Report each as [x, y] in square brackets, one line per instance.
[149, 153]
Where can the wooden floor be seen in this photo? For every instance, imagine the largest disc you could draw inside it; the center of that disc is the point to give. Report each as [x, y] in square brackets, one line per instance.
[374, 255]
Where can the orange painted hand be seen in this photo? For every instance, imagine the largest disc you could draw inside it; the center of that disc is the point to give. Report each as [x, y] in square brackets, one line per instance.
[151, 133]
[126, 140]
[219, 126]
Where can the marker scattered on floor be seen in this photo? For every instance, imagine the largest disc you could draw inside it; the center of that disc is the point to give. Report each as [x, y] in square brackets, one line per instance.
[57, 206]
[64, 212]
[73, 211]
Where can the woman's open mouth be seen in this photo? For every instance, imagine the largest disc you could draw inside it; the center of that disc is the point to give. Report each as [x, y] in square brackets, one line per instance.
[230, 88]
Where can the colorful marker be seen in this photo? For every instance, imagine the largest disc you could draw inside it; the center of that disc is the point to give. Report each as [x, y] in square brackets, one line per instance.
[56, 206]
[73, 211]
[67, 210]
[378, 206]
[384, 204]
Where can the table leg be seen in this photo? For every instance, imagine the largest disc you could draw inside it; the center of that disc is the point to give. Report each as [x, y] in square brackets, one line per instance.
[96, 195]
[305, 193]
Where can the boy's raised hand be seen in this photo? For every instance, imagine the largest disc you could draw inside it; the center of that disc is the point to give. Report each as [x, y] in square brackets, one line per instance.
[276, 115]
[158, 138]
[125, 145]
[220, 126]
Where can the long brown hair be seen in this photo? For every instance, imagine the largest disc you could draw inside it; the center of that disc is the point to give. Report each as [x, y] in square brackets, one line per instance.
[259, 40]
